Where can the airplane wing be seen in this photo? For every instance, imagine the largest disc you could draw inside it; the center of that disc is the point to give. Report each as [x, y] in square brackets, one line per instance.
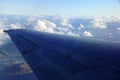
[59, 57]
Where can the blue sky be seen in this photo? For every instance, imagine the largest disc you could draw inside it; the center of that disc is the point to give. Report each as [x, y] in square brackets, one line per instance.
[61, 7]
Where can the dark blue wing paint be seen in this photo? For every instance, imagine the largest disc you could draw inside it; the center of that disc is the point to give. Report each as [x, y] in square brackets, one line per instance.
[58, 57]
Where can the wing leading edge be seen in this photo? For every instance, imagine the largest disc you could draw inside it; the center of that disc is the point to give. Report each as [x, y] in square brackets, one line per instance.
[58, 57]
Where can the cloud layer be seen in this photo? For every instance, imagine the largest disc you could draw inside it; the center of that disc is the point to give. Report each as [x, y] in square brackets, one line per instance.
[105, 28]
[92, 27]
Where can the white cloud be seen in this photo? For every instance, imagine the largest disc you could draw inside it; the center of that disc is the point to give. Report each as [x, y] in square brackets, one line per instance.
[45, 25]
[73, 34]
[3, 37]
[65, 23]
[99, 23]
[65, 30]
[81, 26]
[118, 28]
[1, 24]
[87, 34]
[60, 32]
[15, 26]
[49, 24]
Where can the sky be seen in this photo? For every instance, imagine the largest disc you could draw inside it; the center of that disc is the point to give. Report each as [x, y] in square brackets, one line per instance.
[61, 7]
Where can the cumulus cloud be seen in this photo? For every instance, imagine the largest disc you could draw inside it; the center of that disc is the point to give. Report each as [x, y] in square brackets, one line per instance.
[99, 23]
[118, 28]
[87, 34]
[73, 34]
[1, 24]
[45, 25]
[65, 23]
[15, 26]
[3, 37]
[64, 30]
[81, 26]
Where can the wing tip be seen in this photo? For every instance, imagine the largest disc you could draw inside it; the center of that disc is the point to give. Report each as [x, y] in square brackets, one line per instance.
[5, 31]
[8, 30]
